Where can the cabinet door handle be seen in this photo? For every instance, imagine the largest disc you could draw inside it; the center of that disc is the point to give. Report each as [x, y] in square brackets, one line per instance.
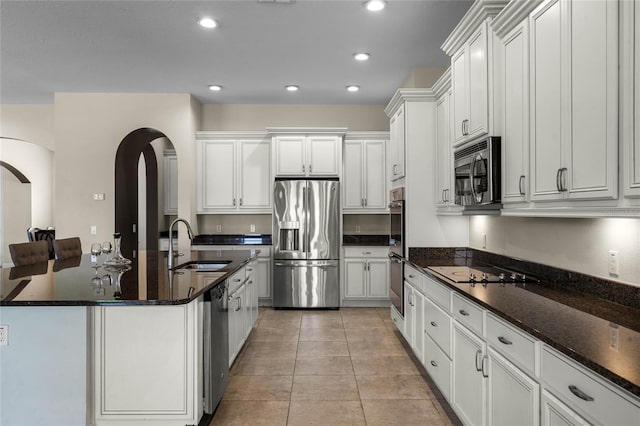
[505, 341]
[303, 168]
[234, 202]
[362, 202]
[410, 276]
[563, 179]
[465, 314]
[577, 392]
[484, 373]
[365, 202]
[558, 186]
[240, 201]
[478, 366]
[442, 195]
[237, 304]
[520, 185]
[462, 127]
[435, 364]
[434, 324]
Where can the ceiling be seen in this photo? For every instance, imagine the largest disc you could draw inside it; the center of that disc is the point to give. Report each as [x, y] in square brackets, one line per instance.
[258, 48]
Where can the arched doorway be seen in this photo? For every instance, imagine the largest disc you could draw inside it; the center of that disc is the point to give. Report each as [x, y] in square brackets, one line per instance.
[133, 150]
[15, 214]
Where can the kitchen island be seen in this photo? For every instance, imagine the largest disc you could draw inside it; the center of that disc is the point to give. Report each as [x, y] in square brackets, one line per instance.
[100, 346]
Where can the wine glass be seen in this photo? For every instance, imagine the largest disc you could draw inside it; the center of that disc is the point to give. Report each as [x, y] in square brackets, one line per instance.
[107, 248]
[96, 249]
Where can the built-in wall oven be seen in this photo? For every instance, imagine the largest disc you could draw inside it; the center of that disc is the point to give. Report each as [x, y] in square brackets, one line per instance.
[396, 248]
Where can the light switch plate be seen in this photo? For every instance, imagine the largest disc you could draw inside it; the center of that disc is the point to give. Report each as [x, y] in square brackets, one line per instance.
[4, 335]
[613, 263]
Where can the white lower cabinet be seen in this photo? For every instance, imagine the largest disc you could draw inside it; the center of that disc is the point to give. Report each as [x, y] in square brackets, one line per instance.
[513, 398]
[555, 413]
[365, 275]
[242, 303]
[468, 394]
[494, 373]
[141, 377]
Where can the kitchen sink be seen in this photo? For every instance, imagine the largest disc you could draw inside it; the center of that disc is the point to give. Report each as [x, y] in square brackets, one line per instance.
[204, 266]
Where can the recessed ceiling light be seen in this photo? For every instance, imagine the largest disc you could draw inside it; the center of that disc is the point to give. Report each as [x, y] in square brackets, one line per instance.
[361, 56]
[207, 23]
[291, 88]
[215, 88]
[375, 5]
[353, 88]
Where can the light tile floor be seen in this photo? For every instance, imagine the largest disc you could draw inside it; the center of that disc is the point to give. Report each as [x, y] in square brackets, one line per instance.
[345, 367]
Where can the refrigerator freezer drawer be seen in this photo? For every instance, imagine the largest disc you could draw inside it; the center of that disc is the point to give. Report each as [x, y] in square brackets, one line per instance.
[306, 284]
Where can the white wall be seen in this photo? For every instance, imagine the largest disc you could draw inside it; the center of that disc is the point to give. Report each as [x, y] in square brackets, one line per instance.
[580, 245]
[88, 130]
[259, 117]
[44, 367]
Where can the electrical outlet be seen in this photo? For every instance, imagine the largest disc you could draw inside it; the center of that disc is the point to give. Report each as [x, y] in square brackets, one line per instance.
[94, 230]
[218, 228]
[484, 240]
[252, 228]
[4, 335]
[613, 263]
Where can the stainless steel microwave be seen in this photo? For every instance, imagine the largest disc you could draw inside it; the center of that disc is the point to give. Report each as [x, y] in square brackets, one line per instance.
[477, 174]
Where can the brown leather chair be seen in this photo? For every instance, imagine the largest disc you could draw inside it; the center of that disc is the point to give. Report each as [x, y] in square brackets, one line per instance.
[29, 253]
[67, 247]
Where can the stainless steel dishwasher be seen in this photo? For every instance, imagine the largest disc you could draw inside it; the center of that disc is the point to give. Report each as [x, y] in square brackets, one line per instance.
[216, 347]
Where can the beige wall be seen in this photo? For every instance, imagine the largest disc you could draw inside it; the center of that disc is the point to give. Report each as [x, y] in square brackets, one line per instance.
[88, 129]
[15, 199]
[423, 77]
[31, 123]
[259, 117]
[580, 245]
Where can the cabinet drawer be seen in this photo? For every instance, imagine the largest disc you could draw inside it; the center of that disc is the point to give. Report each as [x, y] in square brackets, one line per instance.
[438, 326]
[366, 252]
[585, 391]
[438, 366]
[468, 313]
[414, 277]
[236, 280]
[438, 293]
[514, 344]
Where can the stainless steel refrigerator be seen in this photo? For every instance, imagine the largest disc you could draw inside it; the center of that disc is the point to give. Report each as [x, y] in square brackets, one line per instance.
[306, 244]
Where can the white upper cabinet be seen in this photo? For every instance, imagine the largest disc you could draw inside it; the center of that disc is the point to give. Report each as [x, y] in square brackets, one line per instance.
[515, 146]
[470, 87]
[397, 129]
[307, 155]
[364, 184]
[444, 191]
[574, 100]
[170, 183]
[233, 176]
[630, 96]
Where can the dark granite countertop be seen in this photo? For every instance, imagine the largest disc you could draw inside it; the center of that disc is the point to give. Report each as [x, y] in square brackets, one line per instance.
[365, 240]
[575, 323]
[232, 239]
[74, 282]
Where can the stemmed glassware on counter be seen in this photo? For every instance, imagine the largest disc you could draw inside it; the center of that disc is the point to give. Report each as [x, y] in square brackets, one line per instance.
[96, 250]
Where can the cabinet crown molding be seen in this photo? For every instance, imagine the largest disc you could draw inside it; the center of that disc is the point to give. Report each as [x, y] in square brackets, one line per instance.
[479, 11]
[306, 130]
[514, 13]
[230, 134]
[403, 95]
[361, 135]
[443, 83]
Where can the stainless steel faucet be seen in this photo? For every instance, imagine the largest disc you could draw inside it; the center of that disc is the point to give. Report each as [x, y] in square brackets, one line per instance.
[170, 256]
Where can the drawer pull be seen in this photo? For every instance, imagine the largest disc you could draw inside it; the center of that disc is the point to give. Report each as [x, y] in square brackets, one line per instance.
[411, 276]
[577, 392]
[433, 323]
[505, 341]
[435, 364]
[366, 252]
[464, 313]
